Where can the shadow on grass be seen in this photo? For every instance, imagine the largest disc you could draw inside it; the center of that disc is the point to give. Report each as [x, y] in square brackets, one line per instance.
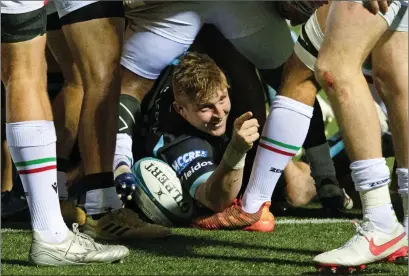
[180, 246]
[285, 210]
[19, 225]
[14, 262]
[183, 246]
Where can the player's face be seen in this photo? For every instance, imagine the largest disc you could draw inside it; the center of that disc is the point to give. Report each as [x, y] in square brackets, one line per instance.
[211, 116]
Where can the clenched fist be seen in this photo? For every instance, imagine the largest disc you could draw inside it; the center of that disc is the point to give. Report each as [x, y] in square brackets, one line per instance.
[245, 132]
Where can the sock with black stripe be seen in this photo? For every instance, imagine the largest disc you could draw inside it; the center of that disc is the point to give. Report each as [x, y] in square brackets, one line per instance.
[100, 194]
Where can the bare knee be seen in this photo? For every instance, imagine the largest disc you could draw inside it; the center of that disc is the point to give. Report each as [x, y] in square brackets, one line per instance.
[324, 72]
[99, 70]
[336, 78]
[102, 73]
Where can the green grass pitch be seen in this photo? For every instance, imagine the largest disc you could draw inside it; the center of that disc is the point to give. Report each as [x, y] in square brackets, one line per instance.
[287, 251]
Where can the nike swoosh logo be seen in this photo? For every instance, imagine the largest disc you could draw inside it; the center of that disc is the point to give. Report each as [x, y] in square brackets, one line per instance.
[379, 249]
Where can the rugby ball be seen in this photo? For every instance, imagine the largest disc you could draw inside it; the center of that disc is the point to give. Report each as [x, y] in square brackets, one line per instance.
[159, 193]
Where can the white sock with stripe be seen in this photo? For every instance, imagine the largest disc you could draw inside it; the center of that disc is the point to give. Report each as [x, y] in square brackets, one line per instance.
[283, 134]
[33, 149]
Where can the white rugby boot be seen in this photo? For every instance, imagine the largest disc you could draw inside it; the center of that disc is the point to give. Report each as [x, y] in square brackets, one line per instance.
[368, 245]
[77, 249]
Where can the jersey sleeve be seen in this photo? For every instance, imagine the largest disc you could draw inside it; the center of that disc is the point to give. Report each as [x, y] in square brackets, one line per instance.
[193, 161]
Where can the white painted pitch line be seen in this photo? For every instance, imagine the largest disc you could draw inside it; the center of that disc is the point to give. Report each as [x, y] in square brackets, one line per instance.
[311, 221]
[278, 221]
[11, 230]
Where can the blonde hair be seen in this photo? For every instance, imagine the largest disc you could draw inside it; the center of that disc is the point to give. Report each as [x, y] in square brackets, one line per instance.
[197, 77]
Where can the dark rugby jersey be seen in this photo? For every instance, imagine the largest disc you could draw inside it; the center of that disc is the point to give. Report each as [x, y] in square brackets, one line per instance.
[192, 154]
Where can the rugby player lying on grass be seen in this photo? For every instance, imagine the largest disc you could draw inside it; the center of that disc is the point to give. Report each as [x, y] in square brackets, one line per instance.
[266, 43]
[186, 121]
[189, 132]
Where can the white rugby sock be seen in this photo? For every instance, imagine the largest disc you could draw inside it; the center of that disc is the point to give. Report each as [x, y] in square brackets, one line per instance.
[283, 135]
[371, 178]
[100, 201]
[33, 149]
[123, 150]
[403, 191]
[100, 194]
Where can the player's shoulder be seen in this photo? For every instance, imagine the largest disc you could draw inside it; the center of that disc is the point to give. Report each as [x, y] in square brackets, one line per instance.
[185, 142]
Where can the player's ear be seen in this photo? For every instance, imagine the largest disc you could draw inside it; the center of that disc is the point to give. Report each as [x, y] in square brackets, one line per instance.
[179, 109]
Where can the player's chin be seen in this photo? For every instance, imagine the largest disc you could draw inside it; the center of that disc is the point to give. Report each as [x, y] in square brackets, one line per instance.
[217, 131]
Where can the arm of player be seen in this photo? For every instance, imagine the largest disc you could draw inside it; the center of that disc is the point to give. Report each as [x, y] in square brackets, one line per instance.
[222, 187]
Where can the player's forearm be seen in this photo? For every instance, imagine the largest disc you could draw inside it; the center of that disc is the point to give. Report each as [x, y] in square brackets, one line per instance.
[221, 188]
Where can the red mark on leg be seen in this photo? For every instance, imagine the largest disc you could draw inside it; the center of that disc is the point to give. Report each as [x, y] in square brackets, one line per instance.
[329, 79]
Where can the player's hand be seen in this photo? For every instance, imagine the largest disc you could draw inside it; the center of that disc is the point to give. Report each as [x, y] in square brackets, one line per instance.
[245, 132]
[376, 6]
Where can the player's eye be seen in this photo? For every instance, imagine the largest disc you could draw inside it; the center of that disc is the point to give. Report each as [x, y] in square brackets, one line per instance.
[205, 107]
